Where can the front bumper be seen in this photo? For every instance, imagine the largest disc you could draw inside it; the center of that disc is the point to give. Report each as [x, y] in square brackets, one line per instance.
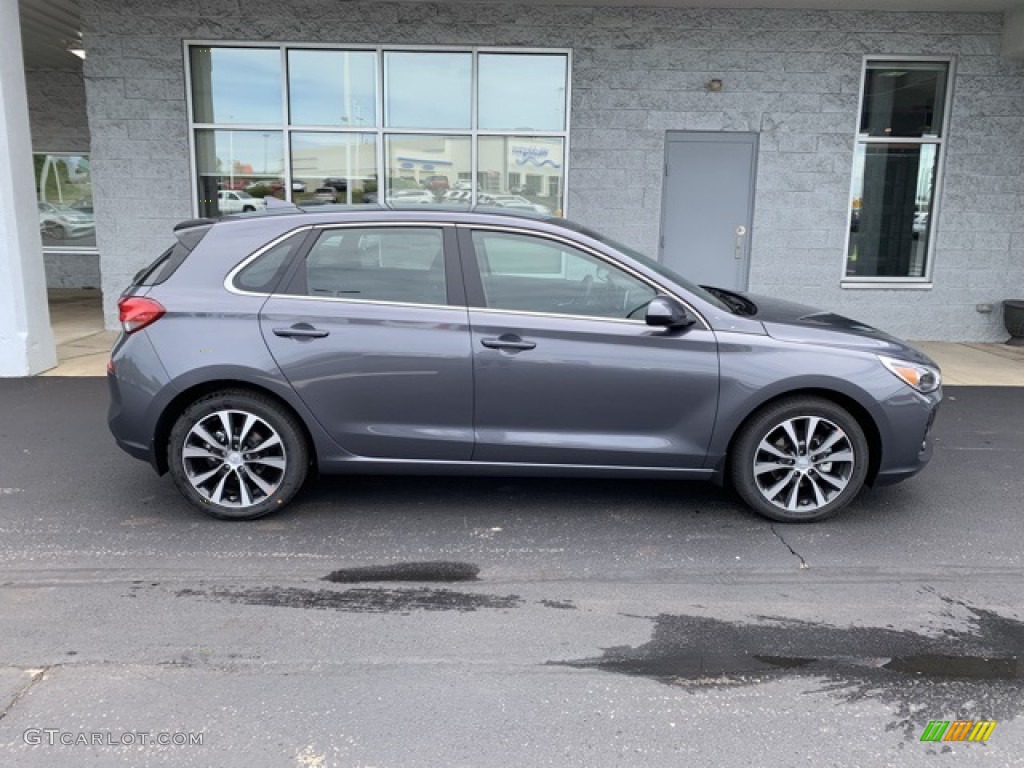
[910, 445]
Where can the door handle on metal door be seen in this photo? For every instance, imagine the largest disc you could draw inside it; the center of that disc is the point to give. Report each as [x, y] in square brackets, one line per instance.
[741, 232]
[508, 341]
[301, 331]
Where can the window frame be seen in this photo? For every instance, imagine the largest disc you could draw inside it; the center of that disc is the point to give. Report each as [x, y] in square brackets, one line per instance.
[380, 129]
[924, 282]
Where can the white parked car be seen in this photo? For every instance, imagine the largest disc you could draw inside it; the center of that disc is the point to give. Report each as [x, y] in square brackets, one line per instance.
[232, 201]
[411, 197]
[519, 203]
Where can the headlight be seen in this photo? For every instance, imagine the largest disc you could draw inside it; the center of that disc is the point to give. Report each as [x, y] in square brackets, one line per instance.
[923, 378]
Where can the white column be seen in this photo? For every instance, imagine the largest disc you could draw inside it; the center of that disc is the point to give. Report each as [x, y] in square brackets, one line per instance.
[26, 341]
[1013, 35]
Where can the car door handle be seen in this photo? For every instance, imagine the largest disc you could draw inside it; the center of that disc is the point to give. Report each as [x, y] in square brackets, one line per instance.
[301, 331]
[508, 341]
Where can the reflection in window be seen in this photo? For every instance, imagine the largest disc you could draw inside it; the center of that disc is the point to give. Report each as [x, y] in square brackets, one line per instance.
[237, 169]
[521, 92]
[904, 98]
[894, 183]
[235, 86]
[359, 119]
[530, 274]
[539, 159]
[334, 167]
[894, 189]
[402, 265]
[427, 90]
[64, 201]
[333, 88]
[428, 170]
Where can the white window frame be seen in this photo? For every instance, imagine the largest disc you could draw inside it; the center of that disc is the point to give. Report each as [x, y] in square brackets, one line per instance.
[925, 281]
[379, 129]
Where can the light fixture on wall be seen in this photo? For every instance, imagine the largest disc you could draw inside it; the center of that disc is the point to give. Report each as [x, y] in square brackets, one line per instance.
[714, 86]
[77, 49]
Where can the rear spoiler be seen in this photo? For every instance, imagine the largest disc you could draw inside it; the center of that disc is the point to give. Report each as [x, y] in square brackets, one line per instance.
[190, 232]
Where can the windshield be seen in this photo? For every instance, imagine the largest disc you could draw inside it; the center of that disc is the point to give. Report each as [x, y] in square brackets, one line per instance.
[654, 266]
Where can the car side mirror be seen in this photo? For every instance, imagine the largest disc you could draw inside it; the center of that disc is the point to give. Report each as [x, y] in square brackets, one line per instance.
[664, 312]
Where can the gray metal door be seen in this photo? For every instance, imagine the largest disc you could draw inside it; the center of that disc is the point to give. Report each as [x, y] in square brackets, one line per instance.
[708, 205]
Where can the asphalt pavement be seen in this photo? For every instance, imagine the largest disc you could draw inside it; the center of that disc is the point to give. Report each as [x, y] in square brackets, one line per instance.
[503, 622]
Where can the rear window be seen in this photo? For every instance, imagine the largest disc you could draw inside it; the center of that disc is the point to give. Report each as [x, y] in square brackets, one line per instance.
[163, 267]
[189, 233]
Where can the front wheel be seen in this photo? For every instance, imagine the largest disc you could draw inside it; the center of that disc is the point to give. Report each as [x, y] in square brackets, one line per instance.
[237, 455]
[799, 460]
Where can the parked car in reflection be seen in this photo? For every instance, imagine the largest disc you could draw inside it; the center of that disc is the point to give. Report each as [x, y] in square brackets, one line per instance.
[437, 183]
[401, 197]
[238, 201]
[327, 194]
[62, 222]
[371, 341]
[276, 185]
[920, 223]
[518, 202]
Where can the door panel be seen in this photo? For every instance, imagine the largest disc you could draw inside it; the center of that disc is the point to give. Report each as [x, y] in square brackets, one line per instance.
[564, 376]
[593, 391]
[707, 208]
[387, 377]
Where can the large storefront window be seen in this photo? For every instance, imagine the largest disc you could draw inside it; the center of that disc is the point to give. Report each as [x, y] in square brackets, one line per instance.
[896, 167]
[64, 199]
[318, 124]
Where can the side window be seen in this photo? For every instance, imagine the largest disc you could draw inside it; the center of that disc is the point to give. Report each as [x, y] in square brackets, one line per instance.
[401, 264]
[531, 274]
[262, 274]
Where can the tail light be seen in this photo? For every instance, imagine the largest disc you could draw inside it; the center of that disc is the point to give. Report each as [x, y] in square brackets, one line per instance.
[135, 313]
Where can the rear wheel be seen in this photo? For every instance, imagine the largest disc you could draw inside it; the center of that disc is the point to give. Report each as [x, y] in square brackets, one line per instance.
[237, 455]
[799, 460]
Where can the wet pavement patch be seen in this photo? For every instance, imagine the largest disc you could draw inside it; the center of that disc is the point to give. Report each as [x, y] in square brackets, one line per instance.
[976, 672]
[362, 600]
[564, 605]
[439, 571]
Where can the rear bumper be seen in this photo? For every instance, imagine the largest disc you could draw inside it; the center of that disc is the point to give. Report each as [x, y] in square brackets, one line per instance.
[139, 389]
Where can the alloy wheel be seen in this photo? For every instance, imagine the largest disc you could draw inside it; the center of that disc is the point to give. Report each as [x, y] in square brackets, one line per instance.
[234, 458]
[803, 463]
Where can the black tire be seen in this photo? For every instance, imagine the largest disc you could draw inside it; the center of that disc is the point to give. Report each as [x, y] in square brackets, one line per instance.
[248, 209]
[255, 484]
[816, 476]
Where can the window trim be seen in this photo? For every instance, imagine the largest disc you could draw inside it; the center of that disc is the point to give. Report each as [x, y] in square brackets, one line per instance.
[924, 282]
[229, 278]
[380, 130]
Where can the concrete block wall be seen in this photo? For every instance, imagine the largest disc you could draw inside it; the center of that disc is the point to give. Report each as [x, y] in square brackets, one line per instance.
[791, 75]
[56, 110]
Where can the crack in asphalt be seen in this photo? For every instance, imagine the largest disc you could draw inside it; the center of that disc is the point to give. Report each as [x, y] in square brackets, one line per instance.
[804, 565]
[37, 677]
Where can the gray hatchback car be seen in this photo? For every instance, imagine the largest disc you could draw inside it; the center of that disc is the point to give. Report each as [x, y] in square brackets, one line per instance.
[260, 347]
